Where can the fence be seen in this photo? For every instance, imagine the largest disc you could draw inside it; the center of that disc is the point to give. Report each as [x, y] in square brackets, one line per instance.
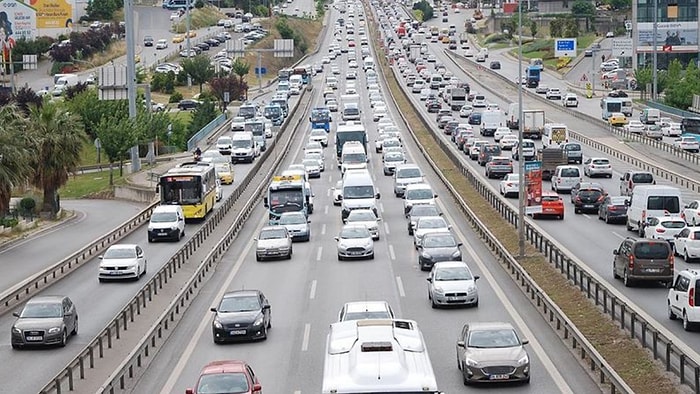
[205, 131]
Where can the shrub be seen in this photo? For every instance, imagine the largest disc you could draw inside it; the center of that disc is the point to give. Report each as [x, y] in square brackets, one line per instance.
[9, 222]
[27, 204]
[175, 97]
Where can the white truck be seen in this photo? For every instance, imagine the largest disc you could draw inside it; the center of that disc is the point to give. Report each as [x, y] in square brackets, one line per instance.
[533, 123]
[456, 97]
[414, 53]
[64, 82]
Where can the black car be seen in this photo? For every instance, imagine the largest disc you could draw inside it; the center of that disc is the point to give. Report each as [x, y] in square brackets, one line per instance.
[474, 118]
[613, 209]
[587, 196]
[203, 46]
[418, 211]
[434, 106]
[187, 104]
[495, 65]
[213, 42]
[241, 315]
[148, 41]
[45, 321]
[437, 247]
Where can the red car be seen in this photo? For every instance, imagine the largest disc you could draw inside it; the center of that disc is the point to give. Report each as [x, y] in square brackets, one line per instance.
[552, 205]
[227, 376]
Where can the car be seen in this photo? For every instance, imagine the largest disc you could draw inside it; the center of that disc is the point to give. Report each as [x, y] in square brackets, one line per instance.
[465, 111]
[495, 65]
[500, 132]
[175, 15]
[687, 143]
[510, 185]
[313, 147]
[597, 166]
[320, 136]
[406, 174]
[553, 94]
[643, 260]
[672, 130]
[609, 34]
[630, 179]
[162, 44]
[355, 242]
[498, 166]
[542, 89]
[44, 321]
[178, 38]
[272, 242]
[552, 205]
[479, 102]
[238, 123]
[166, 222]
[570, 100]
[687, 244]
[437, 247]
[187, 104]
[474, 119]
[480, 58]
[492, 352]
[148, 41]
[508, 142]
[241, 315]
[588, 53]
[426, 225]
[297, 225]
[365, 217]
[587, 196]
[391, 160]
[617, 119]
[361, 310]
[318, 157]
[683, 298]
[338, 193]
[663, 227]
[613, 209]
[122, 261]
[312, 167]
[634, 127]
[226, 376]
[417, 194]
[691, 213]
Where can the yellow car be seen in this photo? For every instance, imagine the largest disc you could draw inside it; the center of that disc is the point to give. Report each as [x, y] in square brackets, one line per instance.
[224, 172]
[178, 38]
[192, 33]
[617, 119]
[445, 39]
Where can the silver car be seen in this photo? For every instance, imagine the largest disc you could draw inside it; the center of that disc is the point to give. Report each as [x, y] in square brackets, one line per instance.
[452, 283]
[338, 193]
[297, 225]
[491, 353]
[122, 261]
[355, 241]
[367, 218]
[45, 320]
[391, 160]
[273, 242]
[428, 224]
[406, 174]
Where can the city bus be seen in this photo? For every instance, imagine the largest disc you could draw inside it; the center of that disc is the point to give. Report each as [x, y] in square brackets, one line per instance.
[192, 186]
[177, 4]
[691, 125]
[610, 105]
[286, 193]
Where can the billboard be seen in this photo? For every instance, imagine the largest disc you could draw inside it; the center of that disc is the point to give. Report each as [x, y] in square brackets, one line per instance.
[670, 36]
[52, 14]
[533, 187]
[17, 20]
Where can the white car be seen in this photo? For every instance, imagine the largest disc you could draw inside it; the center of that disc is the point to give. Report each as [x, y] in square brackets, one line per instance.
[691, 213]
[597, 166]
[669, 128]
[367, 218]
[508, 141]
[492, 107]
[313, 147]
[320, 136]
[687, 244]
[122, 261]
[663, 227]
[509, 185]
[338, 193]
[500, 132]
[553, 94]
[355, 241]
[428, 224]
[681, 299]
[689, 144]
[465, 111]
[238, 123]
[634, 126]
[570, 100]
[479, 102]
[452, 277]
[174, 16]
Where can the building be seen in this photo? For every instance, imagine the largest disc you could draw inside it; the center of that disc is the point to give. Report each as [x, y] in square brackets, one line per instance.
[677, 33]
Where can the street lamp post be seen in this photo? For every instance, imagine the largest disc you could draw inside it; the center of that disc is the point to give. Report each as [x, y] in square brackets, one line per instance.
[521, 159]
[654, 55]
[187, 35]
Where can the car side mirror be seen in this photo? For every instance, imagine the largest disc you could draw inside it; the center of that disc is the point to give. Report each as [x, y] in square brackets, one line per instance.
[308, 221]
[435, 196]
[15, 314]
[524, 342]
[622, 178]
[266, 307]
[459, 244]
[100, 257]
[378, 196]
[257, 387]
[429, 279]
[255, 239]
[460, 344]
[340, 197]
[212, 309]
[189, 391]
[616, 252]
[449, 227]
[476, 277]
[336, 238]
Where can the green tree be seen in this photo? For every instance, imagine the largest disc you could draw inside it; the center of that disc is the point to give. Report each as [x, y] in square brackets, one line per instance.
[117, 136]
[585, 9]
[202, 115]
[556, 27]
[91, 110]
[102, 9]
[199, 68]
[418, 14]
[15, 158]
[286, 32]
[679, 90]
[58, 138]
[643, 76]
[571, 28]
[241, 68]
[533, 27]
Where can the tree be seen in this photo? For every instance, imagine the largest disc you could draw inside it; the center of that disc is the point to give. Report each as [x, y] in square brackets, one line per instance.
[643, 76]
[15, 163]
[533, 27]
[556, 27]
[26, 97]
[199, 68]
[571, 28]
[102, 9]
[117, 135]
[91, 110]
[679, 94]
[585, 9]
[236, 88]
[201, 116]
[241, 68]
[58, 138]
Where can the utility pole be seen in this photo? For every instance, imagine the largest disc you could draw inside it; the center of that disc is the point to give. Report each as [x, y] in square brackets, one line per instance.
[521, 160]
[654, 59]
[187, 36]
[131, 73]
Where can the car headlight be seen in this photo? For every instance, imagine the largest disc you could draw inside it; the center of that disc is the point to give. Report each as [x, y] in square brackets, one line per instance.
[426, 256]
[439, 290]
[217, 324]
[471, 362]
[174, 227]
[523, 360]
[54, 330]
[456, 254]
[258, 321]
[471, 289]
[16, 330]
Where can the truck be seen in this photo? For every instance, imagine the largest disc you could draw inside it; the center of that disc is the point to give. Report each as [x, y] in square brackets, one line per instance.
[533, 123]
[533, 76]
[349, 131]
[401, 31]
[456, 98]
[551, 157]
[414, 52]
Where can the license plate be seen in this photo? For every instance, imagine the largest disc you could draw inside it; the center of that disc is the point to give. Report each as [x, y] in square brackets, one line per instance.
[35, 338]
[588, 206]
[453, 298]
[355, 253]
[654, 270]
[498, 377]
[238, 332]
[163, 233]
[115, 273]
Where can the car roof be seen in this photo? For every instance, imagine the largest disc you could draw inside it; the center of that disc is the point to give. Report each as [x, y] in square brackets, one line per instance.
[366, 306]
[268, 228]
[241, 293]
[42, 299]
[223, 366]
[123, 246]
[418, 186]
[489, 325]
[449, 264]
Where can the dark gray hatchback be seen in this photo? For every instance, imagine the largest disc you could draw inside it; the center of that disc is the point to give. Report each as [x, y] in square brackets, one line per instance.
[643, 260]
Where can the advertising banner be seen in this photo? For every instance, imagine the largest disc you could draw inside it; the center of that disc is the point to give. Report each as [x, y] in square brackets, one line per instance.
[17, 20]
[670, 36]
[51, 14]
[533, 187]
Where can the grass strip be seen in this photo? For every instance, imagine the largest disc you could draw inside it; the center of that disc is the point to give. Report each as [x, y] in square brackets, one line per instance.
[626, 356]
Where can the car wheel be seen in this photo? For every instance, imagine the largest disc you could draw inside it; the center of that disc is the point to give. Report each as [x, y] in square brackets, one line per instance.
[671, 315]
[687, 325]
[258, 258]
[16, 347]
[640, 230]
[75, 326]
[340, 258]
[100, 280]
[264, 334]
[150, 240]
[64, 339]
[577, 211]
[289, 256]
[371, 257]
[626, 279]
[627, 224]
[685, 256]
[177, 238]
[465, 379]
[433, 304]
[145, 268]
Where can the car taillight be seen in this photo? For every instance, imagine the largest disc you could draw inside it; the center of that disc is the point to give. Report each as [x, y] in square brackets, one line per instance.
[691, 235]
[691, 297]
[630, 263]
[630, 185]
[660, 230]
[577, 198]
[671, 262]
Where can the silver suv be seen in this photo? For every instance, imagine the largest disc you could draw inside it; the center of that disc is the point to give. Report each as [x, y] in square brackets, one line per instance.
[406, 174]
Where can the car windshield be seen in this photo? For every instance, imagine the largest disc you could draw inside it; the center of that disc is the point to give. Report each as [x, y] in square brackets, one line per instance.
[419, 194]
[424, 210]
[495, 338]
[673, 223]
[431, 223]
[318, 133]
[569, 172]
[239, 304]
[351, 192]
[642, 178]
[223, 383]
[439, 241]
[408, 173]
[241, 143]
[665, 203]
[360, 216]
[573, 147]
[550, 198]
[42, 310]
[293, 219]
[453, 273]
[224, 140]
[600, 161]
[273, 233]
[164, 217]
[310, 163]
[354, 232]
[652, 250]
[120, 253]
[366, 315]
[394, 157]
[618, 200]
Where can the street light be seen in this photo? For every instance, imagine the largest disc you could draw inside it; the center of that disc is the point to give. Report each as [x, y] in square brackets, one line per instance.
[654, 56]
[521, 159]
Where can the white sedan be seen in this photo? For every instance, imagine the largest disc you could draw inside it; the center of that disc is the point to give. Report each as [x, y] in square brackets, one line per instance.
[122, 261]
[510, 185]
[337, 192]
[664, 227]
[465, 111]
[634, 126]
[597, 166]
[508, 141]
[500, 133]
[689, 144]
[673, 129]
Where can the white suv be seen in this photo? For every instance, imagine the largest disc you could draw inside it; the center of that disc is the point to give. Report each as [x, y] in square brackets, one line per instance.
[683, 298]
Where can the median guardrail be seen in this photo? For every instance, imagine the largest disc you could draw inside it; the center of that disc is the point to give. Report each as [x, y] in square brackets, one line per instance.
[677, 357]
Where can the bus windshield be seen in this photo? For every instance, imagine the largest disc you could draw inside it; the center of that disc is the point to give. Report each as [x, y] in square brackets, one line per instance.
[286, 201]
[181, 190]
[613, 106]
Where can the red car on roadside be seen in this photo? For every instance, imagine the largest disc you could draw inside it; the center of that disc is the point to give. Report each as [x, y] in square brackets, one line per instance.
[552, 205]
[227, 376]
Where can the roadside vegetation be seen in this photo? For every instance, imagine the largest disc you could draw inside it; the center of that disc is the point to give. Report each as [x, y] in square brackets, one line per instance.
[201, 17]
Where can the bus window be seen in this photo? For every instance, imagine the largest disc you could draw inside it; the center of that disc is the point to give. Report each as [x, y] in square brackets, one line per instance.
[690, 125]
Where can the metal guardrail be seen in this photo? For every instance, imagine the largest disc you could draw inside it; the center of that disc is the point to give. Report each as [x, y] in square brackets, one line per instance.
[677, 357]
[671, 110]
[693, 158]
[557, 319]
[204, 131]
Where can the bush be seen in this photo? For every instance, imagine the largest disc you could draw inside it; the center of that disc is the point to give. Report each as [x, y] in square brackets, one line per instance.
[175, 97]
[496, 37]
[538, 45]
[8, 222]
[27, 204]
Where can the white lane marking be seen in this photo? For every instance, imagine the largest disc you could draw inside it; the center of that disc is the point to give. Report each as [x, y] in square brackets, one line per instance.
[622, 237]
[562, 385]
[391, 252]
[399, 284]
[312, 293]
[206, 322]
[325, 210]
[381, 207]
[318, 254]
[323, 228]
[587, 216]
[297, 391]
[386, 228]
[305, 340]
[328, 193]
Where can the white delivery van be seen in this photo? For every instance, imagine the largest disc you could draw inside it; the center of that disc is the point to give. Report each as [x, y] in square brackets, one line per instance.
[565, 178]
[167, 222]
[358, 192]
[490, 121]
[368, 63]
[435, 81]
[650, 115]
[353, 156]
[243, 147]
[295, 84]
[650, 201]
[555, 133]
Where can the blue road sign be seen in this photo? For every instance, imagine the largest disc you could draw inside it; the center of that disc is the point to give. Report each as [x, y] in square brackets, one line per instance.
[566, 45]
[260, 70]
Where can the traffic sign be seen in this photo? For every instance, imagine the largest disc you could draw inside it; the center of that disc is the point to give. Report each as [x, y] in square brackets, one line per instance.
[260, 70]
[584, 78]
[565, 47]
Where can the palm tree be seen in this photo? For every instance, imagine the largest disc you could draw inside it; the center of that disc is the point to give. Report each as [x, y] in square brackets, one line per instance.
[15, 163]
[58, 139]
[241, 68]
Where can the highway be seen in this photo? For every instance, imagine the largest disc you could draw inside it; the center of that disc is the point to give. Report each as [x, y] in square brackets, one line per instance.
[307, 292]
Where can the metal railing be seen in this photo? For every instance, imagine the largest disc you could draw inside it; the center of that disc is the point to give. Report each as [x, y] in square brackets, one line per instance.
[204, 131]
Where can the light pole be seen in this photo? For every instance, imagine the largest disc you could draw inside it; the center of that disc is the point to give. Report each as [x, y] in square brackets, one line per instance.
[521, 159]
[654, 60]
[187, 35]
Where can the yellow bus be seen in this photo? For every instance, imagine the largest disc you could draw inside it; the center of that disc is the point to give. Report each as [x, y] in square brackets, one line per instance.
[192, 186]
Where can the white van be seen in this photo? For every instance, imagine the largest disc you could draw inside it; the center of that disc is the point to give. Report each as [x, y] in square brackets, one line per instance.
[490, 121]
[353, 156]
[435, 81]
[295, 84]
[529, 150]
[243, 147]
[650, 115]
[64, 82]
[358, 192]
[650, 201]
[368, 63]
[565, 178]
[167, 222]
[555, 133]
